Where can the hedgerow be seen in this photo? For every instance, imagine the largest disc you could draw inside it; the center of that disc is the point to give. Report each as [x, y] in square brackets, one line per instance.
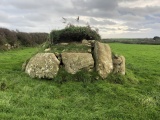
[16, 38]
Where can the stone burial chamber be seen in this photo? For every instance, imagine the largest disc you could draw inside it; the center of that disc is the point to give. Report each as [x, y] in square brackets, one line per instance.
[46, 65]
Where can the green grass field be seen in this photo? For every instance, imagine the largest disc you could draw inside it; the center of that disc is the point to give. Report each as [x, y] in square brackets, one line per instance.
[136, 98]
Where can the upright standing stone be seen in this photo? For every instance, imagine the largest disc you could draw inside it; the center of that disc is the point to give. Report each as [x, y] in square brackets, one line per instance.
[103, 59]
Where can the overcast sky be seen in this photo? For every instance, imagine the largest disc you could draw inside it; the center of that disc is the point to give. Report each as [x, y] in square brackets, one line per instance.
[113, 18]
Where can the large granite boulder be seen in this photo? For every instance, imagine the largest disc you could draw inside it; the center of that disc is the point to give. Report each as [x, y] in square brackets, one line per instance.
[43, 65]
[73, 62]
[103, 59]
[119, 64]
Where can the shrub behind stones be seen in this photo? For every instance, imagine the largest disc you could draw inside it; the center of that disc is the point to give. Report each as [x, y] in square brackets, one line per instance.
[73, 34]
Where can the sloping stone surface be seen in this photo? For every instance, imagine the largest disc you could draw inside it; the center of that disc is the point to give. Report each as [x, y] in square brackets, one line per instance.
[43, 65]
[103, 59]
[73, 62]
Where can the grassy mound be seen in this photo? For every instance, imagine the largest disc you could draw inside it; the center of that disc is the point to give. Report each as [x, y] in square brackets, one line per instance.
[134, 97]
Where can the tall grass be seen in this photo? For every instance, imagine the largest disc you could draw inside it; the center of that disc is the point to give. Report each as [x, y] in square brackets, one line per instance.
[136, 96]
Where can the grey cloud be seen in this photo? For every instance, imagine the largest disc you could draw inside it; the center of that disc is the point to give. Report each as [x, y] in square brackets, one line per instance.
[3, 17]
[132, 29]
[137, 24]
[96, 4]
[32, 13]
[154, 26]
[40, 17]
[102, 22]
[139, 11]
[96, 8]
[107, 29]
[132, 18]
[34, 4]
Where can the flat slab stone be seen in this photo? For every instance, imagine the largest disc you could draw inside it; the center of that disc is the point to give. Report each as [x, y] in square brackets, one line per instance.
[73, 62]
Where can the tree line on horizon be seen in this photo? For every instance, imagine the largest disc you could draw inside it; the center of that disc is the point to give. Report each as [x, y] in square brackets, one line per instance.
[17, 38]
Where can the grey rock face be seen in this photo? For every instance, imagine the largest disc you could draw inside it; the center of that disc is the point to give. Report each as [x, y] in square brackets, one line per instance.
[119, 64]
[43, 65]
[73, 62]
[103, 59]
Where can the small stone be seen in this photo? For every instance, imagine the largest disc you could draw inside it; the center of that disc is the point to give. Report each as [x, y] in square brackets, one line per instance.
[47, 50]
[119, 65]
[64, 43]
[89, 50]
[85, 42]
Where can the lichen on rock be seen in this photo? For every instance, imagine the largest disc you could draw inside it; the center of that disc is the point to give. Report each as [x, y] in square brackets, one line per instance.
[43, 65]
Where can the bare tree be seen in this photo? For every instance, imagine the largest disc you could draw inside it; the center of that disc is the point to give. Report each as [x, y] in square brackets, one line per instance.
[77, 19]
[65, 20]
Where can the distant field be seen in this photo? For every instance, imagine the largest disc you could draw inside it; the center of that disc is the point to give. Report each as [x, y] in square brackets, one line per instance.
[137, 98]
[149, 41]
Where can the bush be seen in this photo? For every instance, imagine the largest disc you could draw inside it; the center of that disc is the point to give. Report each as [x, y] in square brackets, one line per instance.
[156, 38]
[25, 39]
[7, 36]
[73, 34]
[54, 36]
[2, 40]
[39, 38]
[31, 39]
